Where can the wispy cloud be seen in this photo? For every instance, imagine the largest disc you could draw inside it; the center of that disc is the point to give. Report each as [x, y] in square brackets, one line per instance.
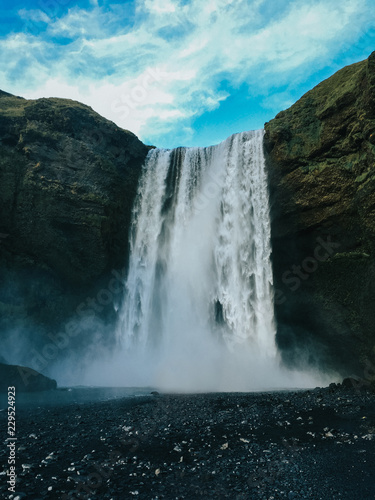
[35, 15]
[153, 66]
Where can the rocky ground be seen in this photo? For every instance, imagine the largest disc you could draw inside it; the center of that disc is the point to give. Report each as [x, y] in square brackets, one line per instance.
[316, 444]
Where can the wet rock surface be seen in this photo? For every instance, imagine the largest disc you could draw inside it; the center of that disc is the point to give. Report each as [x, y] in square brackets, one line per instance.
[316, 444]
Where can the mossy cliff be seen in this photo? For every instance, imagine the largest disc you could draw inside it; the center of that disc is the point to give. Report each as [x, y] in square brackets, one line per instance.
[321, 160]
[68, 178]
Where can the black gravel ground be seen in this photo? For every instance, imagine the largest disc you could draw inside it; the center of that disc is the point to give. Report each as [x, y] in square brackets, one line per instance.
[317, 444]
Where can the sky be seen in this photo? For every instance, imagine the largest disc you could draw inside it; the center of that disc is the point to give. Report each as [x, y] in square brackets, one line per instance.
[180, 72]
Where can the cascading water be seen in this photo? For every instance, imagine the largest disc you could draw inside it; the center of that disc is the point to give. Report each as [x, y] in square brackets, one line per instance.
[199, 290]
[197, 314]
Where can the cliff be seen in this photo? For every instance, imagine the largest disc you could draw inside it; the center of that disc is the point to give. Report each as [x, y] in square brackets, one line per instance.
[68, 178]
[320, 155]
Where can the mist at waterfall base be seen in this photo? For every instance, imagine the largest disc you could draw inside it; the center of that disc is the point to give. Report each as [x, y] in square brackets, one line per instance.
[198, 310]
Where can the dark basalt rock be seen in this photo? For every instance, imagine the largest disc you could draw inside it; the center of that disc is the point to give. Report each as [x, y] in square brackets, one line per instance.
[68, 178]
[24, 379]
[321, 157]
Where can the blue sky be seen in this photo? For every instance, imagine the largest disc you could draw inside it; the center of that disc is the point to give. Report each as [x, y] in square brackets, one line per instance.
[180, 72]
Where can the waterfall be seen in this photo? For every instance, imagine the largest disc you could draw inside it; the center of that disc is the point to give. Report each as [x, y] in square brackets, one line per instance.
[199, 289]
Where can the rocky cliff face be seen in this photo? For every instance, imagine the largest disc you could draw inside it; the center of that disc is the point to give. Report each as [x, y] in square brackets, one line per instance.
[68, 179]
[321, 160]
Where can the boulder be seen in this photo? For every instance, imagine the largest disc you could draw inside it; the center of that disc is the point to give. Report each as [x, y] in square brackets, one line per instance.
[24, 379]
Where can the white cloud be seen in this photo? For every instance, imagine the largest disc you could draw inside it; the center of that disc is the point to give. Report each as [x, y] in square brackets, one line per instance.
[159, 6]
[34, 15]
[153, 68]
